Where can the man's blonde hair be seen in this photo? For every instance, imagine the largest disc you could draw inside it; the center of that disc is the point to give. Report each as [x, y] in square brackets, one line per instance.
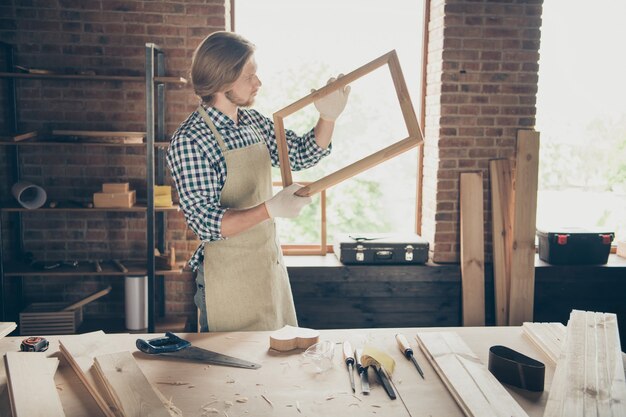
[217, 62]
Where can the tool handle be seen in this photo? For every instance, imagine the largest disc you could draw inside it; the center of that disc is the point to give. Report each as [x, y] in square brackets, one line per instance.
[347, 353]
[403, 345]
[167, 344]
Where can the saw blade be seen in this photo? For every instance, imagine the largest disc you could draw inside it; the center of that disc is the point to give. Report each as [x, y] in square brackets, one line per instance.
[206, 356]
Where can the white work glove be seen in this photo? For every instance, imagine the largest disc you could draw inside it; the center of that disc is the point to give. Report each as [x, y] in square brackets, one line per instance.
[285, 203]
[331, 106]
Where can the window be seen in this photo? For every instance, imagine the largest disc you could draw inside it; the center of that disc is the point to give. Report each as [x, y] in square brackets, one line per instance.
[300, 44]
[581, 116]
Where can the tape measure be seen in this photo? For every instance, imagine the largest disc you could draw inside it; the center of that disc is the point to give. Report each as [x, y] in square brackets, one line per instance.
[34, 344]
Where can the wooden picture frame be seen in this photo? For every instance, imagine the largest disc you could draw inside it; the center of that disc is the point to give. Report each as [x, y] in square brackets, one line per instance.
[415, 134]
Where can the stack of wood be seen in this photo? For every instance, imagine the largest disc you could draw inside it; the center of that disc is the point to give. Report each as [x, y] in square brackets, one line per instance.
[115, 195]
[514, 206]
[113, 378]
[514, 210]
[470, 383]
[589, 377]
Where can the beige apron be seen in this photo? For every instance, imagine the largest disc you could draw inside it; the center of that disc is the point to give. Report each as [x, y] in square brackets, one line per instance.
[246, 282]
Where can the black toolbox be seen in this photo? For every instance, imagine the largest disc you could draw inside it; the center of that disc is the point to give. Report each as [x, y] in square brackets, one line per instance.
[381, 249]
[575, 246]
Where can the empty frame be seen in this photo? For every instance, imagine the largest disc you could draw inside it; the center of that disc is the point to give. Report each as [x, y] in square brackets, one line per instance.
[415, 135]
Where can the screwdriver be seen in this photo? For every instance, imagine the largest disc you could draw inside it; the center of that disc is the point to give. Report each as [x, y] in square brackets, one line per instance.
[347, 357]
[405, 348]
[365, 385]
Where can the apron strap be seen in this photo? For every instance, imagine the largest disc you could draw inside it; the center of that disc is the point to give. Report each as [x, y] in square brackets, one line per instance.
[209, 122]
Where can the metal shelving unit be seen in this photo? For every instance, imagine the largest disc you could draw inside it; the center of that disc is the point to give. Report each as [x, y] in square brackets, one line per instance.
[156, 141]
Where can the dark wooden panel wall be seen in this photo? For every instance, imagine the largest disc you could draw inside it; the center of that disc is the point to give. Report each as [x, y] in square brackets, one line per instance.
[342, 296]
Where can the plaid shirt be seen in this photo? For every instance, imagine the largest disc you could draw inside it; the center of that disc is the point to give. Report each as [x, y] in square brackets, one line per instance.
[198, 167]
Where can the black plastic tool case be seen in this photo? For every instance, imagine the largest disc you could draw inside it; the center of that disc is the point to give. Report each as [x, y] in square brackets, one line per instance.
[575, 246]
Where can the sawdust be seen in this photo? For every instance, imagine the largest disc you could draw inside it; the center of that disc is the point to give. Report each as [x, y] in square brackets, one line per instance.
[242, 400]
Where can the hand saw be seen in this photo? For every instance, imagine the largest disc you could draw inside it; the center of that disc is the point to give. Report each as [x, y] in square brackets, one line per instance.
[175, 347]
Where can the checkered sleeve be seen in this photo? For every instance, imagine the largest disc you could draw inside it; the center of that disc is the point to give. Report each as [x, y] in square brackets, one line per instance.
[197, 181]
[304, 152]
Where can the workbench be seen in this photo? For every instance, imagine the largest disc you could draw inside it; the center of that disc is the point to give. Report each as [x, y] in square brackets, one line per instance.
[287, 384]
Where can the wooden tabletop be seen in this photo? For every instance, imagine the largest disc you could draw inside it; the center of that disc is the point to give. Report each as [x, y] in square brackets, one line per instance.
[287, 384]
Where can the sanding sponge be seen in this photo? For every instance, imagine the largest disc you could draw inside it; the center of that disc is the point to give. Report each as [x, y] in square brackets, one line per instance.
[375, 357]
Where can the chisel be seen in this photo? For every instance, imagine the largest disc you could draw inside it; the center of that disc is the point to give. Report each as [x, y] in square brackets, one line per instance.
[347, 357]
[365, 385]
[405, 348]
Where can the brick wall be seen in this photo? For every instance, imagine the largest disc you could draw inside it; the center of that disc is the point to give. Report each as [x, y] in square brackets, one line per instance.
[482, 81]
[107, 37]
[482, 84]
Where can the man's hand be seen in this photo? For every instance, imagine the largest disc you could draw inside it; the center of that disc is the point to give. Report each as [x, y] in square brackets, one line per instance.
[285, 203]
[331, 106]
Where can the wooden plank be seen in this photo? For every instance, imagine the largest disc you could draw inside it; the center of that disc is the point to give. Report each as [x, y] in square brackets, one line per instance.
[29, 376]
[501, 214]
[522, 290]
[17, 137]
[6, 327]
[475, 389]
[410, 120]
[88, 299]
[472, 249]
[589, 378]
[97, 133]
[548, 337]
[129, 386]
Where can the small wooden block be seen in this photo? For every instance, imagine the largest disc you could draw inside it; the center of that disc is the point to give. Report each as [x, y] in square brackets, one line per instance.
[289, 338]
[115, 187]
[119, 200]
[621, 248]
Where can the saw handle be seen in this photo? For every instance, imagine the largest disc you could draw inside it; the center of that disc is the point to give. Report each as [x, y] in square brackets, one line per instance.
[167, 344]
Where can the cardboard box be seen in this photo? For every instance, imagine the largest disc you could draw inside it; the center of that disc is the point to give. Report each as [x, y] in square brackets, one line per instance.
[115, 187]
[47, 318]
[114, 200]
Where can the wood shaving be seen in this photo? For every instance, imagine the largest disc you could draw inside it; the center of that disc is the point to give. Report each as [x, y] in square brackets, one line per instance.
[357, 397]
[351, 404]
[191, 386]
[298, 407]
[207, 411]
[242, 400]
[230, 381]
[376, 405]
[207, 404]
[173, 410]
[172, 383]
[267, 399]
[330, 397]
[228, 403]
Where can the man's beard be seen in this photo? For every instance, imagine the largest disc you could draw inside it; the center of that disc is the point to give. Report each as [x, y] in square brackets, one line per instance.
[238, 101]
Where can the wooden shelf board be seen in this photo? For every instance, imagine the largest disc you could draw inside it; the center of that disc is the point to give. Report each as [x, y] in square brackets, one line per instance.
[136, 78]
[13, 207]
[53, 142]
[84, 268]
